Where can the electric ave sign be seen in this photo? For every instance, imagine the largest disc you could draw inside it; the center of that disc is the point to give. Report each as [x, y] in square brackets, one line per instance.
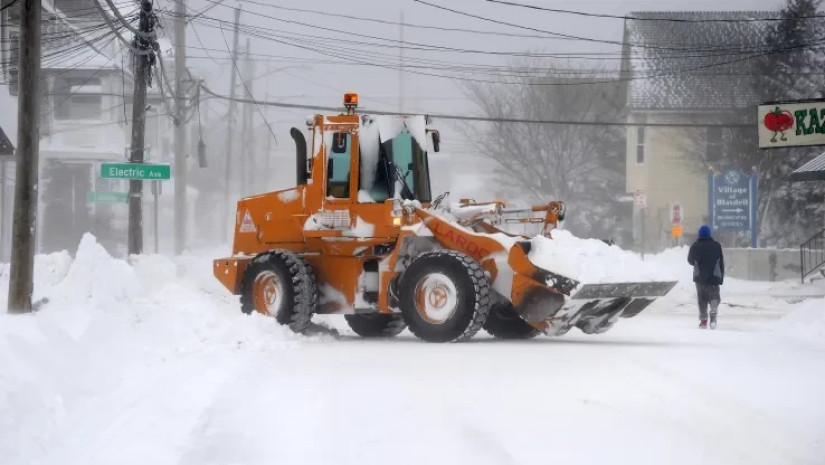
[135, 171]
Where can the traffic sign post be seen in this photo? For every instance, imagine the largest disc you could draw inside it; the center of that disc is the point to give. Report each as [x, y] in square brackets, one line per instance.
[140, 171]
[135, 172]
[732, 202]
[676, 214]
[641, 198]
[110, 197]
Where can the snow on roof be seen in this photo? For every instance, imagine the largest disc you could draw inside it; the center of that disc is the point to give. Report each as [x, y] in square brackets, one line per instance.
[705, 86]
[8, 115]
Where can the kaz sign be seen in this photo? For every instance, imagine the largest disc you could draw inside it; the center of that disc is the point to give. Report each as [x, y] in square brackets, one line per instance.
[791, 124]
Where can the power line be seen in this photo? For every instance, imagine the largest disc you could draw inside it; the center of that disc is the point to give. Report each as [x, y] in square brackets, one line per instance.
[485, 119]
[240, 76]
[365, 61]
[666, 19]
[396, 23]
[567, 36]
[9, 5]
[352, 55]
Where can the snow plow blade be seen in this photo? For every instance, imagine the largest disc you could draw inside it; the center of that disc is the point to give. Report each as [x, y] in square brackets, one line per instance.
[595, 308]
[603, 291]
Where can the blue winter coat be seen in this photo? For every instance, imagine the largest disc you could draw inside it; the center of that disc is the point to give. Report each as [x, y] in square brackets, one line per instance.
[708, 262]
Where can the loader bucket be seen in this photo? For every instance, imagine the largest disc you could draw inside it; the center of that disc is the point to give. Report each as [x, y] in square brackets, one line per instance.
[555, 303]
[595, 308]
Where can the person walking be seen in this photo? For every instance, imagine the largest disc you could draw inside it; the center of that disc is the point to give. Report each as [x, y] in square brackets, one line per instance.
[708, 273]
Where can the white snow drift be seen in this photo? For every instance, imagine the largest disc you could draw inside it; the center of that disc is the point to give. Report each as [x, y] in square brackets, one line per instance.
[152, 362]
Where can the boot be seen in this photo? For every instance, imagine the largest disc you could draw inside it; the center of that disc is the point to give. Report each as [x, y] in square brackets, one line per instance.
[703, 324]
[713, 320]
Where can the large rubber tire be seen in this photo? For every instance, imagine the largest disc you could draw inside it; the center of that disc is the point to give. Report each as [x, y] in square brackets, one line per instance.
[376, 324]
[504, 323]
[444, 296]
[295, 296]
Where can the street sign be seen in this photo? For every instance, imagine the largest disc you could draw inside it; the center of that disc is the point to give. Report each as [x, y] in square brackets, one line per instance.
[109, 197]
[791, 124]
[732, 201]
[676, 230]
[676, 214]
[135, 171]
[641, 198]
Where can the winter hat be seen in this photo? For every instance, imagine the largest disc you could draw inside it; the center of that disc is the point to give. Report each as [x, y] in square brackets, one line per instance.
[704, 231]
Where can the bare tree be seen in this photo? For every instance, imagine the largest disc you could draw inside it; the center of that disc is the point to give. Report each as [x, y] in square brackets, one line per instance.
[582, 165]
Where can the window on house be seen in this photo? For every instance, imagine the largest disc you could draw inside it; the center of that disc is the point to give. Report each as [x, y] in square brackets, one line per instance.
[640, 145]
[77, 99]
[14, 60]
[714, 144]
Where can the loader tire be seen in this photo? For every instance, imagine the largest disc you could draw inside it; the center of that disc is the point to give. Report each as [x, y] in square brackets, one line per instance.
[279, 283]
[378, 325]
[504, 323]
[444, 296]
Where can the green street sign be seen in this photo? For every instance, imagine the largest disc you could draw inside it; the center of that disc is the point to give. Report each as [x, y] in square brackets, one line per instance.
[111, 197]
[135, 171]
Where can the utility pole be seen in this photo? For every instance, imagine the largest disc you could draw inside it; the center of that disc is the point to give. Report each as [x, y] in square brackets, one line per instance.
[230, 128]
[401, 65]
[143, 61]
[248, 131]
[181, 216]
[28, 148]
[245, 152]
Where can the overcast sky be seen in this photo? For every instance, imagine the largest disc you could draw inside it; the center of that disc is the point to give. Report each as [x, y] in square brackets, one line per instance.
[307, 80]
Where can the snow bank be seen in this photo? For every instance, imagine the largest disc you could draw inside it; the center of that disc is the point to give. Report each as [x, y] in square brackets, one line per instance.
[110, 323]
[807, 321]
[592, 261]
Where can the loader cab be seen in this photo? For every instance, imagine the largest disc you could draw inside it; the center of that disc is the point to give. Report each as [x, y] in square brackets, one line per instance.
[402, 171]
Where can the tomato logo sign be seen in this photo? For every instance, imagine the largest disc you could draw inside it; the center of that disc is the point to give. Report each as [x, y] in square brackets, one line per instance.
[778, 121]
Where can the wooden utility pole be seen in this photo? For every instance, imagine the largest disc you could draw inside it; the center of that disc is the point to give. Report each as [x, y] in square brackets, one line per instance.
[181, 216]
[28, 146]
[248, 130]
[401, 65]
[227, 200]
[142, 64]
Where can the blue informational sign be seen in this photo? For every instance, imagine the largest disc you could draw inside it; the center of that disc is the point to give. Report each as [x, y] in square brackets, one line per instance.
[732, 201]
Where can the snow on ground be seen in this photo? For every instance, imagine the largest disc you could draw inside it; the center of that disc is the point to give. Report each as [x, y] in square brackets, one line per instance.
[152, 362]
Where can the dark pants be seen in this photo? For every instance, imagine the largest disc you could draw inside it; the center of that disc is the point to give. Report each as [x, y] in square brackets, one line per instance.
[707, 294]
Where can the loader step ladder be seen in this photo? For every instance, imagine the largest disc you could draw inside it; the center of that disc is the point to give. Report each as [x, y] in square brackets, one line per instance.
[812, 255]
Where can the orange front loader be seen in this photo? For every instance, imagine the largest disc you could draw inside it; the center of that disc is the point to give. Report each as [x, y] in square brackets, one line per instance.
[361, 235]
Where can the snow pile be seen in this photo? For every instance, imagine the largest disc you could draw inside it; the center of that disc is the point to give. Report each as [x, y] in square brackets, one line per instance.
[361, 229]
[289, 196]
[592, 261]
[469, 212]
[49, 270]
[806, 321]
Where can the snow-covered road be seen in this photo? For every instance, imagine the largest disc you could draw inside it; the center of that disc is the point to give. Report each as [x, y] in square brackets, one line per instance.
[167, 371]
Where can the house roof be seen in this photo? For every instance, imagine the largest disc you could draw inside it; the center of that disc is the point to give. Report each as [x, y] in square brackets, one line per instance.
[6, 148]
[693, 65]
[814, 170]
[8, 118]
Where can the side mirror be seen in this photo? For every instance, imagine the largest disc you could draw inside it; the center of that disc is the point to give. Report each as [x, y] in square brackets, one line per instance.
[436, 141]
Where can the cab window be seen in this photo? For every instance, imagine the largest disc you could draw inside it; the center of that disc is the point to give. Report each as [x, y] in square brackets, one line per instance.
[338, 166]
